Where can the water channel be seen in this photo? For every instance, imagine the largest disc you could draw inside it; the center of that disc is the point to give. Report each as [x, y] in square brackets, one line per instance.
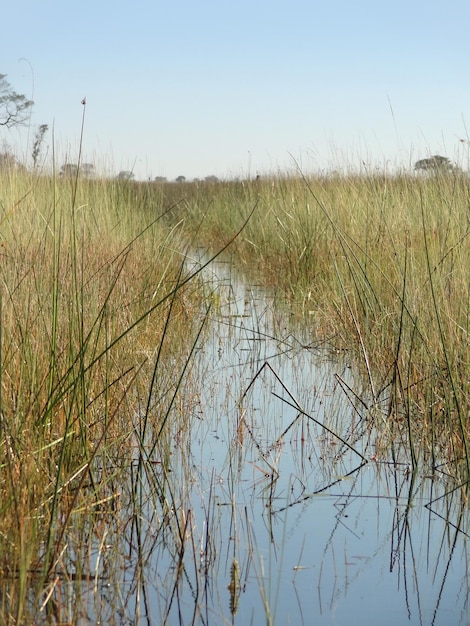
[285, 513]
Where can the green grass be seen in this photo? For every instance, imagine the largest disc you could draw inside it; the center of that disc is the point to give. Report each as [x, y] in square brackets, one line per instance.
[99, 320]
[377, 265]
[94, 299]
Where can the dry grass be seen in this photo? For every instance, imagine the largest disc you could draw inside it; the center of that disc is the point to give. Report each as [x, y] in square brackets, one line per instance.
[92, 311]
[376, 264]
[98, 322]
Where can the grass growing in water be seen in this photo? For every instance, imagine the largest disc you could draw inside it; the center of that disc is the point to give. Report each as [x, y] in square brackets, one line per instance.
[379, 265]
[98, 318]
[98, 321]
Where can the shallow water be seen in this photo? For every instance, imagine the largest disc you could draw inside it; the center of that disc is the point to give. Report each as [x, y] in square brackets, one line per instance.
[274, 476]
[320, 536]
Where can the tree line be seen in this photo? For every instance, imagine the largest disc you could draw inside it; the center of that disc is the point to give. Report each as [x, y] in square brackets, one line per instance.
[15, 110]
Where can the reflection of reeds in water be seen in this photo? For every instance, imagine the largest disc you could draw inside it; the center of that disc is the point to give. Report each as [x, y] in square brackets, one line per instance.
[99, 320]
[135, 480]
[234, 586]
[378, 264]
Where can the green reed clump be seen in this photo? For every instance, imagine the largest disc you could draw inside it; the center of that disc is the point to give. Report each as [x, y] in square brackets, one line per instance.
[88, 275]
[378, 264]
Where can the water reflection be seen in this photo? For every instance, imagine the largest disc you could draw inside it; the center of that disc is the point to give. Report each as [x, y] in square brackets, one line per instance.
[264, 504]
[279, 485]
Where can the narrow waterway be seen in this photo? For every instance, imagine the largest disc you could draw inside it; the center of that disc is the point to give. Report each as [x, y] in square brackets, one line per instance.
[275, 507]
[293, 519]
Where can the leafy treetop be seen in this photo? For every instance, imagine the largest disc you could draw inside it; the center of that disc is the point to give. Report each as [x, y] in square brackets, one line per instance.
[14, 107]
[435, 163]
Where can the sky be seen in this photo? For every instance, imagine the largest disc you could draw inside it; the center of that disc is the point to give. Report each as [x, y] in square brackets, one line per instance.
[239, 88]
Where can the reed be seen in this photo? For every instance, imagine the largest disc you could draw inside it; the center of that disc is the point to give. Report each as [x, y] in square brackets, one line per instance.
[100, 316]
[94, 296]
[376, 264]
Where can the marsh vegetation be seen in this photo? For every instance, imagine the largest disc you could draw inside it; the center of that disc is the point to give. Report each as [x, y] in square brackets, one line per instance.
[191, 373]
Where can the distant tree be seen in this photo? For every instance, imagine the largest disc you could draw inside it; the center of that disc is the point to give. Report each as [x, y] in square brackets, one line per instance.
[69, 170]
[87, 170]
[211, 179]
[38, 141]
[125, 175]
[181, 179]
[8, 161]
[435, 163]
[14, 108]
[160, 179]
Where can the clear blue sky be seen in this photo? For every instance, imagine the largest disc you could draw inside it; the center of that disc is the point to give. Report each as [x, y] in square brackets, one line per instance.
[233, 88]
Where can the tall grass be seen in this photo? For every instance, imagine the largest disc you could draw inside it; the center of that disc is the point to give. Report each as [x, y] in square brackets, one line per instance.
[98, 319]
[378, 265]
